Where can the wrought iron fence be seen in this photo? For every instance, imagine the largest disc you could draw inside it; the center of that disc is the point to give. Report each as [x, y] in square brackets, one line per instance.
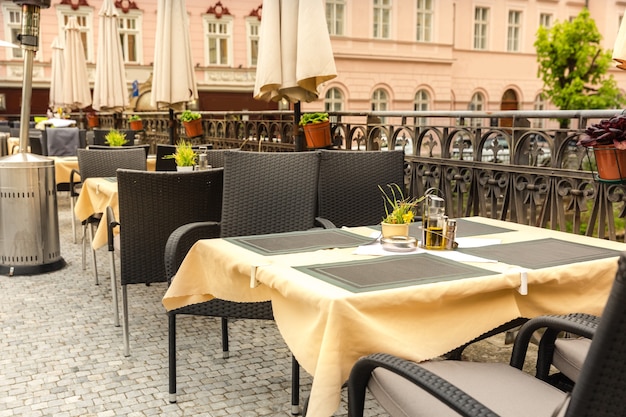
[512, 165]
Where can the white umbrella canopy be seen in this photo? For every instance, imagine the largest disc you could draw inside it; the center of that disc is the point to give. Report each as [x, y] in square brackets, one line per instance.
[110, 90]
[56, 76]
[295, 53]
[76, 93]
[173, 80]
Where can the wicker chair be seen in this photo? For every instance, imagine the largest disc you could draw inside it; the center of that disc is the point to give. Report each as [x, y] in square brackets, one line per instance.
[263, 193]
[480, 389]
[99, 137]
[146, 148]
[348, 186]
[101, 163]
[151, 206]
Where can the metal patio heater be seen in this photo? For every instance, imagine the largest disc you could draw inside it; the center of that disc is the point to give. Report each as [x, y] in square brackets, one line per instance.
[29, 223]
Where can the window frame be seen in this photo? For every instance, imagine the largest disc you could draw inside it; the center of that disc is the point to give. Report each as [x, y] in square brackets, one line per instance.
[137, 17]
[336, 25]
[481, 38]
[514, 31]
[424, 21]
[251, 39]
[85, 13]
[381, 19]
[335, 103]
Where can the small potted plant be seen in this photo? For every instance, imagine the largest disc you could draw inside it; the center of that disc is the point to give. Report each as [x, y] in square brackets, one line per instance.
[608, 141]
[115, 138]
[192, 122]
[316, 129]
[135, 122]
[399, 211]
[185, 156]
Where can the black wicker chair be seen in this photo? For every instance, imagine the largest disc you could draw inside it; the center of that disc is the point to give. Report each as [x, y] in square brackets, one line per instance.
[101, 163]
[348, 186]
[99, 136]
[263, 193]
[151, 206]
[485, 389]
[145, 148]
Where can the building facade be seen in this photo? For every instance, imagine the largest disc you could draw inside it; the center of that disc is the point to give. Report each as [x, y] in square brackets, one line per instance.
[390, 54]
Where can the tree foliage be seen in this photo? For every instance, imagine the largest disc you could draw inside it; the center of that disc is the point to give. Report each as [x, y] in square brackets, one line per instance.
[573, 66]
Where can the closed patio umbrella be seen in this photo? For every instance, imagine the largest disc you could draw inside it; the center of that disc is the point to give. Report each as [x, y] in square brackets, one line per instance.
[76, 92]
[56, 76]
[295, 53]
[110, 90]
[174, 80]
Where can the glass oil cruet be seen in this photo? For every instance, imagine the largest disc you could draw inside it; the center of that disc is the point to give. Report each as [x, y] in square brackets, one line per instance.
[433, 223]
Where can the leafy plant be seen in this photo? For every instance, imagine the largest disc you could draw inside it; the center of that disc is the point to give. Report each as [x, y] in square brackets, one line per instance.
[607, 132]
[185, 155]
[188, 116]
[115, 138]
[398, 209]
[310, 118]
[134, 118]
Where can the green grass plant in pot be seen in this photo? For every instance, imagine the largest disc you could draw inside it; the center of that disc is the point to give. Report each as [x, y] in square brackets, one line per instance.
[135, 122]
[185, 156]
[115, 138]
[399, 211]
[192, 122]
[316, 129]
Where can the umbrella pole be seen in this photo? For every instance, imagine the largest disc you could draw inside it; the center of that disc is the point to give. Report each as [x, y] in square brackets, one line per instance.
[172, 126]
[299, 136]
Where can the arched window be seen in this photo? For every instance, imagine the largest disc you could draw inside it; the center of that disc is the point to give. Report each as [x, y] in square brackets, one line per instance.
[333, 100]
[477, 103]
[421, 103]
[379, 100]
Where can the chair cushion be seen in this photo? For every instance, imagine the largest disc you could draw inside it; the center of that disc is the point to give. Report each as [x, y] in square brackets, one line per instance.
[569, 355]
[506, 390]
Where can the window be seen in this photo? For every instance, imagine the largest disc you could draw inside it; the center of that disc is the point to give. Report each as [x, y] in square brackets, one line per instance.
[379, 100]
[477, 103]
[333, 100]
[12, 27]
[129, 28]
[481, 26]
[545, 20]
[335, 16]
[424, 21]
[539, 104]
[253, 26]
[84, 19]
[513, 32]
[421, 103]
[218, 40]
[382, 19]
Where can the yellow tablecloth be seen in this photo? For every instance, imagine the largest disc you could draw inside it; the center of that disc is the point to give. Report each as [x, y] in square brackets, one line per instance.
[328, 328]
[95, 196]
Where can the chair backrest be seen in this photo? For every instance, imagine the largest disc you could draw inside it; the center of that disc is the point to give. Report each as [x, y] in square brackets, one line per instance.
[602, 381]
[214, 156]
[145, 148]
[35, 142]
[269, 192]
[151, 206]
[100, 136]
[105, 162]
[60, 141]
[348, 185]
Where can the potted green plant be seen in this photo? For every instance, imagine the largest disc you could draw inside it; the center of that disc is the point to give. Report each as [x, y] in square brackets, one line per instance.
[185, 156]
[135, 122]
[115, 138]
[192, 122]
[316, 128]
[608, 141]
[399, 211]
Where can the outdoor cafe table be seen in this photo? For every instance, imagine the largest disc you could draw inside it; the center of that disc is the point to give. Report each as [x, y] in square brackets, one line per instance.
[333, 306]
[63, 166]
[96, 194]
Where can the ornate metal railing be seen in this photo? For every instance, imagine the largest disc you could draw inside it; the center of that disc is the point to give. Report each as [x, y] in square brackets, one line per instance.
[503, 165]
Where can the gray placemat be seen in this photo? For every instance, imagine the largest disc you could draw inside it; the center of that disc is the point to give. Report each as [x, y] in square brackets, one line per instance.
[392, 272]
[464, 228]
[306, 241]
[543, 253]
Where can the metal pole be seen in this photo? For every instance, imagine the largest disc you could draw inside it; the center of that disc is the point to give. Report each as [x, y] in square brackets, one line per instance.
[29, 40]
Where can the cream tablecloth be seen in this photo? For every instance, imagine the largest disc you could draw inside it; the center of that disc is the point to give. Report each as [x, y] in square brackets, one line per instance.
[329, 326]
[95, 196]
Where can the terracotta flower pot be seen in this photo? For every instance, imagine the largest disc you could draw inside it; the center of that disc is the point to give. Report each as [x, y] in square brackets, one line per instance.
[317, 135]
[93, 120]
[193, 128]
[611, 162]
[136, 125]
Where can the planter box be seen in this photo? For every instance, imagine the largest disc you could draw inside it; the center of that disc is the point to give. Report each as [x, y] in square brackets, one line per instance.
[193, 128]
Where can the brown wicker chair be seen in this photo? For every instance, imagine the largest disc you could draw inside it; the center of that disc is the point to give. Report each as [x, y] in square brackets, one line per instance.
[485, 389]
[151, 206]
[263, 193]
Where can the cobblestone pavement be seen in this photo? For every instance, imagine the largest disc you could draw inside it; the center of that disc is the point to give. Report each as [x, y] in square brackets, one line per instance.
[61, 355]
